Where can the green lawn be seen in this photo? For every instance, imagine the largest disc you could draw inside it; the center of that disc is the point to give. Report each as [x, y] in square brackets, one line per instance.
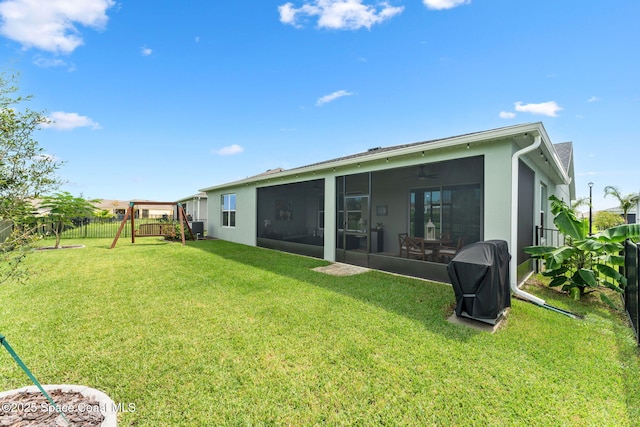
[215, 333]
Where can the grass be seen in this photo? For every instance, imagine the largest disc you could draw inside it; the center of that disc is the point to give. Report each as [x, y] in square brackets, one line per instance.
[215, 333]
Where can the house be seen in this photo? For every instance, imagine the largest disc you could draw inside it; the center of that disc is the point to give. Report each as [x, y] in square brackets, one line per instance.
[359, 209]
[118, 208]
[195, 207]
[631, 214]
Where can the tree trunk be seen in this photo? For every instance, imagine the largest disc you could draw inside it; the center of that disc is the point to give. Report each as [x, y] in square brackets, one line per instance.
[58, 231]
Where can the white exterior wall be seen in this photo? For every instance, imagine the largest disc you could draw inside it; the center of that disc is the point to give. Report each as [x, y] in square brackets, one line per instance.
[496, 188]
[246, 208]
[197, 208]
[497, 191]
[330, 218]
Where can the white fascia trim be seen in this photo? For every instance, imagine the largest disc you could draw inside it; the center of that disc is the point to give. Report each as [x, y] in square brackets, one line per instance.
[474, 138]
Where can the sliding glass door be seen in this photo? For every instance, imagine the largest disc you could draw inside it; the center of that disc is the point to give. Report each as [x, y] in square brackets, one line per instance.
[454, 211]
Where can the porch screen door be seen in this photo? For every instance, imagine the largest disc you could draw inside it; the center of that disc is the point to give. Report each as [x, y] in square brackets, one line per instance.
[354, 218]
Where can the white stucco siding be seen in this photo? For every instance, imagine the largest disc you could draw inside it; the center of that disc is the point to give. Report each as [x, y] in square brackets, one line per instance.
[245, 229]
[497, 191]
[330, 218]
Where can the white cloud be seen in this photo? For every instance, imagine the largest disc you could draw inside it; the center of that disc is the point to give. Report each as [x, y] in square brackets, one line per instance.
[51, 25]
[338, 14]
[229, 150]
[507, 115]
[444, 4]
[43, 62]
[593, 99]
[68, 121]
[550, 108]
[332, 97]
[145, 51]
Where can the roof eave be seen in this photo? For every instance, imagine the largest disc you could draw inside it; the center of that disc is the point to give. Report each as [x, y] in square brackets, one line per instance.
[462, 140]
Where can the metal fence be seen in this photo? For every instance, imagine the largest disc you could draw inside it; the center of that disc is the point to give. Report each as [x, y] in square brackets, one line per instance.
[87, 228]
[631, 294]
[108, 227]
[549, 237]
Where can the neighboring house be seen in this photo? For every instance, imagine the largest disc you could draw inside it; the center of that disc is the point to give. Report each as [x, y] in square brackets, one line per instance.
[195, 207]
[119, 208]
[631, 214]
[356, 209]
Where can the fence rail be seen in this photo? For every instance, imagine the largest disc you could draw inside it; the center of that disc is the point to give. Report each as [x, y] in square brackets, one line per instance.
[631, 294]
[546, 237]
[106, 228]
[549, 237]
[86, 228]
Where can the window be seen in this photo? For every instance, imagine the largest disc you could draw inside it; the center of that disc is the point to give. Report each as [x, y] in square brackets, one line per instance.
[357, 213]
[543, 204]
[228, 210]
[455, 211]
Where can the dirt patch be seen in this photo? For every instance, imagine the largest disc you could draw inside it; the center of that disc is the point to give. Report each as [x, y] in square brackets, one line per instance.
[339, 269]
[53, 248]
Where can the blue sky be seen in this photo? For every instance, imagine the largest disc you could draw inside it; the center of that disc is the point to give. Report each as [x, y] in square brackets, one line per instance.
[156, 99]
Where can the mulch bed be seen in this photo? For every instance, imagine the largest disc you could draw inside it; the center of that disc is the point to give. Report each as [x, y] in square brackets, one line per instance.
[33, 409]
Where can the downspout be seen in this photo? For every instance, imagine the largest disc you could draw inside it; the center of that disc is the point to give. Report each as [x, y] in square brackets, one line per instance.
[513, 263]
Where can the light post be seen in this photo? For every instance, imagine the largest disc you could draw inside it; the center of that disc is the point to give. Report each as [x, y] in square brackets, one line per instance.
[590, 209]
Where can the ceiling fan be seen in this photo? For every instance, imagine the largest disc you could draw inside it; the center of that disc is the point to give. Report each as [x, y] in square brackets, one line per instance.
[424, 174]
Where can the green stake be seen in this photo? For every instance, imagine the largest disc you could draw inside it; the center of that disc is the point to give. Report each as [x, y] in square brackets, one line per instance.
[13, 354]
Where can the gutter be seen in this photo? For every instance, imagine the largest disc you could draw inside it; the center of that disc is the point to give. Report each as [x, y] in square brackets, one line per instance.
[513, 263]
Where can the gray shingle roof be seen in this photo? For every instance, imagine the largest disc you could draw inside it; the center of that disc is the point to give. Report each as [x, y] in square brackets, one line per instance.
[565, 154]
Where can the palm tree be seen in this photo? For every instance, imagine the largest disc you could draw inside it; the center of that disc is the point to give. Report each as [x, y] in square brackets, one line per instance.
[626, 202]
[578, 203]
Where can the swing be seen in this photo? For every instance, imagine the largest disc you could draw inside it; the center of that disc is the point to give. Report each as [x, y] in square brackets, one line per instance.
[161, 229]
[167, 229]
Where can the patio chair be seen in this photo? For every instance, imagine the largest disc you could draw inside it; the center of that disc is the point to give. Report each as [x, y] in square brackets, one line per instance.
[416, 247]
[448, 252]
[402, 240]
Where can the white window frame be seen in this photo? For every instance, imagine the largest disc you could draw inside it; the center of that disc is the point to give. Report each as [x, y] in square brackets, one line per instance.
[229, 208]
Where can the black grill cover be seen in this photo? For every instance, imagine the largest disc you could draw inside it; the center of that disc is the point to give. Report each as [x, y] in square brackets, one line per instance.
[479, 274]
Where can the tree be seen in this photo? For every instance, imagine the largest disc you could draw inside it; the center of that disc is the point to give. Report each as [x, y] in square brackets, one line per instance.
[584, 263]
[626, 202]
[578, 203]
[62, 208]
[25, 173]
[104, 214]
[605, 219]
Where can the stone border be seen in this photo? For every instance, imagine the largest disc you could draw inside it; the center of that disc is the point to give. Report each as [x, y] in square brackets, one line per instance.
[107, 406]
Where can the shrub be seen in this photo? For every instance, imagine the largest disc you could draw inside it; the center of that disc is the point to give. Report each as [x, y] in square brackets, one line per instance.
[584, 263]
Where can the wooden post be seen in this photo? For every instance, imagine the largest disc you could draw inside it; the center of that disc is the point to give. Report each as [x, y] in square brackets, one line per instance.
[182, 218]
[133, 227]
[184, 224]
[131, 213]
[124, 221]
